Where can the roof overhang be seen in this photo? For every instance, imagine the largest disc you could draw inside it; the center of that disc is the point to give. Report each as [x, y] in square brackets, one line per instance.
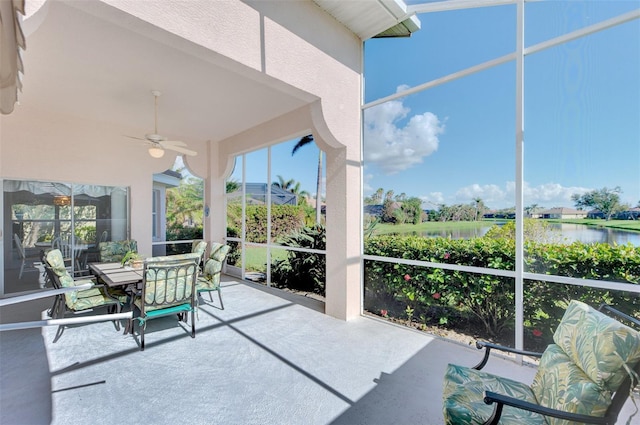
[374, 18]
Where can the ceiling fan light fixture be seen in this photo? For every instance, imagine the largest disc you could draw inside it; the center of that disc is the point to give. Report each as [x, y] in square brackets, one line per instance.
[156, 152]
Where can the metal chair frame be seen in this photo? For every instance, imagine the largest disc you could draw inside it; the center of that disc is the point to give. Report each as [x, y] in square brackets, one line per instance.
[168, 287]
[617, 401]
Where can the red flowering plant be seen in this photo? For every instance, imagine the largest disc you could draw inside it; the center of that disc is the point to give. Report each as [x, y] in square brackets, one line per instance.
[424, 293]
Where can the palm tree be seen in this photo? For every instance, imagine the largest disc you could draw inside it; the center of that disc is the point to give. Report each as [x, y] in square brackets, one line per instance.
[284, 184]
[302, 142]
[378, 196]
[292, 186]
[232, 186]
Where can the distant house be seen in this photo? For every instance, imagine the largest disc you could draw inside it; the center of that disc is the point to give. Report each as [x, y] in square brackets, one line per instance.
[257, 194]
[629, 214]
[499, 214]
[563, 213]
[374, 210]
[595, 214]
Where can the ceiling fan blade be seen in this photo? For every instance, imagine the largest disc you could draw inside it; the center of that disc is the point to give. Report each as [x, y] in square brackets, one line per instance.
[137, 138]
[174, 143]
[181, 150]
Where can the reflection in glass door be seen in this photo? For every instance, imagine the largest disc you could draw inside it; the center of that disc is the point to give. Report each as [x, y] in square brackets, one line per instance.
[39, 216]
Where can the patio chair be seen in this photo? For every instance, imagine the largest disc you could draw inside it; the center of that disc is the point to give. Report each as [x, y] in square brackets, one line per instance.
[210, 280]
[75, 301]
[23, 255]
[65, 248]
[585, 376]
[168, 288]
[93, 253]
[199, 247]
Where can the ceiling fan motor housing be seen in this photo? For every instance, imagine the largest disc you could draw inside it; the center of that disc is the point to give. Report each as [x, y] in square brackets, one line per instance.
[155, 138]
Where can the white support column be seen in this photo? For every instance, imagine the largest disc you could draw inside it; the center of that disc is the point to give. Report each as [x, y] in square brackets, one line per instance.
[519, 177]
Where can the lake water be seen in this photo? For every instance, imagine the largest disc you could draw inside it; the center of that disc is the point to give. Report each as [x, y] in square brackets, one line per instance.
[565, 232]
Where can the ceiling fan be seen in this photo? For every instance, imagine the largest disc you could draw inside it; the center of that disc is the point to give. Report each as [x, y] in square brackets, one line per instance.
[157, 143]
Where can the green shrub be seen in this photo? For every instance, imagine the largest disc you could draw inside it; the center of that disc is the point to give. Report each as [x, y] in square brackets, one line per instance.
[301, 270]
[424, 292]
[284, 220]
[233, 257]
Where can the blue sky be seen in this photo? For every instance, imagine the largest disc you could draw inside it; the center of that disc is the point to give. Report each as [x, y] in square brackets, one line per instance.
[455, 142]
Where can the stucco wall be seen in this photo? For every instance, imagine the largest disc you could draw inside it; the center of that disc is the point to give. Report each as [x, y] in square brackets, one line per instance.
[43, 145]
[292, 45]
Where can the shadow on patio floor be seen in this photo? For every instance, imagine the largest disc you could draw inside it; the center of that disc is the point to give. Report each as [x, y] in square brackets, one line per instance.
[264, 359]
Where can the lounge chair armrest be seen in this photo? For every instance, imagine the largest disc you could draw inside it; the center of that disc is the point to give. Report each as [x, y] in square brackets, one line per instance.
[501, 400]
[619, 315]
[487, 349]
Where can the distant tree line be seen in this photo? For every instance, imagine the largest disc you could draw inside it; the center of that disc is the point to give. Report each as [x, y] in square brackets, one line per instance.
[400, 209]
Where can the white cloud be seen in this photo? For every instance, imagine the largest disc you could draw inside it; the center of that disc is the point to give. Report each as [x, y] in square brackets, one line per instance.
[432, 200]
[366, 186]
[548, 194]
[545, 195]
[394, 148]
[489, 193]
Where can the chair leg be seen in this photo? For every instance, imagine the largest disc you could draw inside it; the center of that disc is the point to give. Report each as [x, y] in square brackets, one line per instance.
[193, 323]
[141, 328]
[59, 314]
[54, 307]
[220, 296]
[58, 333]
[116, 307]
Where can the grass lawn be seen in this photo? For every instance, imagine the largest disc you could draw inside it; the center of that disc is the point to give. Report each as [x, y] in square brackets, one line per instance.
[256, 257]
[386, 228]
[632, 225]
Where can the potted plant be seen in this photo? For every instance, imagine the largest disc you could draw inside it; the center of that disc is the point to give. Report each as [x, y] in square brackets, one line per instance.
[132, 258]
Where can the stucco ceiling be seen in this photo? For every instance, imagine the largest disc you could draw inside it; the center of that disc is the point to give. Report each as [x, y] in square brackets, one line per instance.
[91, 61]
[81, 64]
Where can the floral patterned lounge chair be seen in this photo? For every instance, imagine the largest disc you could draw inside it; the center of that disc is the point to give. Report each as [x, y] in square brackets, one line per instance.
[584, 377]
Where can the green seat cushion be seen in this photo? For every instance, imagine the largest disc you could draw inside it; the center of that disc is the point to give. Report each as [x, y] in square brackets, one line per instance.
[598, 344]
[84, 303]
[560, 384]
[116, 250]
[463, 398]
[219, 251]
[188, 256]
[199, 247]
[75, 300]
[204, 284]
[148, 308]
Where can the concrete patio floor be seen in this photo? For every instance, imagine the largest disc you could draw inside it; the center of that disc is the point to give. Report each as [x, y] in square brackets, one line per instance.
[269, 357]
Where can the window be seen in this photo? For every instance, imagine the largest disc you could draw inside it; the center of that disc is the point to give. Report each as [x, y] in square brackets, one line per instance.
[40, 212]
[450, 141]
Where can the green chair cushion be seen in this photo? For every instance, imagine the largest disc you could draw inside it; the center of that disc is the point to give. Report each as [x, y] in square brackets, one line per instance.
[187, 256]
[219, 251]
[560, 384]
[116, 250]
[463, 398]
[597, 344]
[199, 247]
[203, 284]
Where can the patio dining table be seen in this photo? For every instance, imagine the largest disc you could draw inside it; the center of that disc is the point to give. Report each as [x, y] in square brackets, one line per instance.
[115, 275]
